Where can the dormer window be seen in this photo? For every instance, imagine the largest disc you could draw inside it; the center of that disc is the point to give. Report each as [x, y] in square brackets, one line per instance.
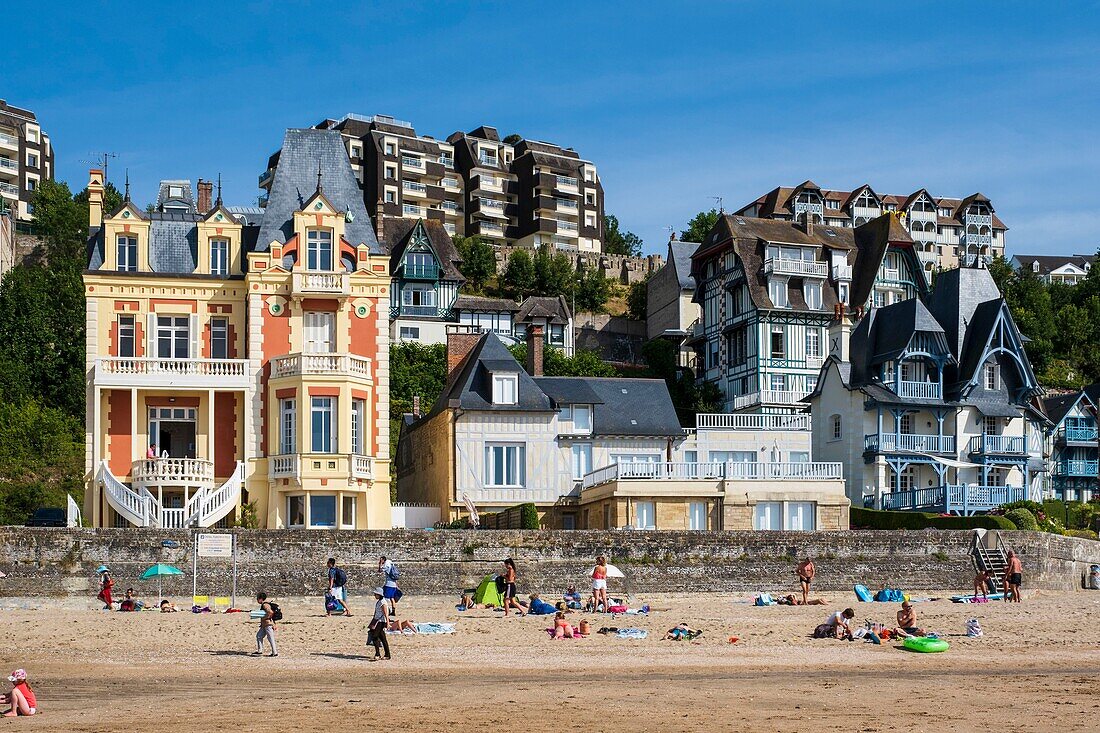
[219, 257]
[505, 389]
[1035, 266]
[127, 253]
[319, 250]
[992, 377]
[582, 419]
[777, 291]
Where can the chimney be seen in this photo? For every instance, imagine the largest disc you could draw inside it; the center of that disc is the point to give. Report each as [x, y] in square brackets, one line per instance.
[95, 198]
[807, 222]
[840, 334]
[206, 193]
[416, 407]
[380, 224]
[534, 350]
[460, 341]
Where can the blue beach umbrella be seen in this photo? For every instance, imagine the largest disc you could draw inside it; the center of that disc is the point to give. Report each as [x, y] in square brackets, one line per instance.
[158, 571]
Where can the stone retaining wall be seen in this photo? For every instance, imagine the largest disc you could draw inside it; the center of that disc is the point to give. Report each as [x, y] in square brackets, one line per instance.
[55, 562]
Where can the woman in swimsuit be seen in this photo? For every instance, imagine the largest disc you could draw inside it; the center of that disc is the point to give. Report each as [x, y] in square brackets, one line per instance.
[599, 584]
[510, 589]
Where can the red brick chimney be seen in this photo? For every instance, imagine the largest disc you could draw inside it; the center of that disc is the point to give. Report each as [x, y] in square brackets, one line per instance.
[460, 341]
[534, 350]
[380, 224]
[206, 193]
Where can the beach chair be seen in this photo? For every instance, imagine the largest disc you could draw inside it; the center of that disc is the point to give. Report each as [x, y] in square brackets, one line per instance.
[200, 601]
[221, 604]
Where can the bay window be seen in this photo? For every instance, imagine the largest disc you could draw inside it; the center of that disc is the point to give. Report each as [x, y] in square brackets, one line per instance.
[322, 424]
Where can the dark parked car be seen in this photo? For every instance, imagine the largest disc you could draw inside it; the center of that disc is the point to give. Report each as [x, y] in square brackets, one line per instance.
[48, 517]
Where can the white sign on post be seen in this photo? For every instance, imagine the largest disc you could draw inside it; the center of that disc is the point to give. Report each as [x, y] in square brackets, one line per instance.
[216, 545]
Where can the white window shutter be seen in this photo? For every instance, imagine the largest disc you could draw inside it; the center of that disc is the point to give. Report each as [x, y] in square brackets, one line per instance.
[151, 336]
[193, 330]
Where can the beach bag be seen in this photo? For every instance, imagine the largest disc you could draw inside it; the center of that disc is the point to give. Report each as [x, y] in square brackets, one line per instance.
[824, 631]
[276, 612]
[973, 628]
[331, 604]
[889, 595]
[339, 577]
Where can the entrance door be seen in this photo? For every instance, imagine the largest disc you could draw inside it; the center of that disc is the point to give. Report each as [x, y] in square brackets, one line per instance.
[173, 430]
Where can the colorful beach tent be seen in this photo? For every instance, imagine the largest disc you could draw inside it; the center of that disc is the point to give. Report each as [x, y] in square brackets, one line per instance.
[487, 592]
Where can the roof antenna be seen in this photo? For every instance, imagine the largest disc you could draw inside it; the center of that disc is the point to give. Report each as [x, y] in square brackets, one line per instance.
[671, 233]
[126, 198]
[218, 203]
[719, 200]
[320, 189]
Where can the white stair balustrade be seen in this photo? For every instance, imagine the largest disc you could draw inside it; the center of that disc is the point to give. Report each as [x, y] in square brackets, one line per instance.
[130, 504]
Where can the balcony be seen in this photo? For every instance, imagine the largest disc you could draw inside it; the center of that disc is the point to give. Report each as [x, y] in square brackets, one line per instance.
[919, 390]
[565, 226]
[420, 272]
[908, 443]
[786, 398]
[1089, 469]
[265, 177]
[414, 188]
[489, 160]
[566, 183]
[320, 465]
[981, 220]
[566, 204]
[336, 365]
[416, 311]
[487, 183]
[8, 141]
[412, 210]
[927, 258]
[1078, 434]
[842, 272]
[488, 228]
[747, 422]
[408, 161]
[998, 444]
[9, 190]
[450, 183]
[9, 165]
[645, 471]
[962, 499]
[136, 371]
[977, 240]
[448, 163]
[797, 268]
[172, 473]
[321, 283]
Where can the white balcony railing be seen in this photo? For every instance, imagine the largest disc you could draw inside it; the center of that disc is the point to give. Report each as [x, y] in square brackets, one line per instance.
[9, 189]
[289, 465]
[173, 472]
[566, 181]
[362, 467]
[978, 220]
[801, 268]
[294, 365]
[920, 390]
[333, 283]
[413, 186]
[284, 466]
[909, 443]
[769, 397]
[491, 183]
[842, 272]
[9, 164]
[490, 160]
[730, 471]
[740, 421]
[566, 204]
[491, 204]
[410, 162]
[138, 371]
[565, 226]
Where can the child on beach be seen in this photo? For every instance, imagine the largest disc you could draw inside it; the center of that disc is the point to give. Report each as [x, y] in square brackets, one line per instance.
[983, 582]
[267, 625]
[21, 698]
[167, 606]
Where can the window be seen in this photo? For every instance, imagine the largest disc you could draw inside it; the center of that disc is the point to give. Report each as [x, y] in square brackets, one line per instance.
[589, 198]
[582, 419]
[320, 332]
[835, 431]
[505, 388]
[813, 343]
[391, 149]
[842, 293]
[319, 250]
[296, 511]
[32, 160]
[173, 337]
[800, 516]
[356, 151]
[126, 336]
[32, 183]
[777, 291]
[127, 254]
[778, 382]
[778, 345]
[697, 515]
[645, 516]
[322, 511]
[418, 296]
[219, 257]
[358, 419]
[582, 460]
[505, 465]
[287, 426]
[768, 515]
[322, 425]
[712, 355]
[391, 197]
[32, 134]
[992, 378]
[812, 292]
[905, 424]
[347, 512]
[590, 220]
[907, 479]
[636, 458]
[811, 382]
[989, 426]
[219, 338]
[410, 333]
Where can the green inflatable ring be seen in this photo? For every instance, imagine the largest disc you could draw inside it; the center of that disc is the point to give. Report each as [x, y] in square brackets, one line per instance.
[925, 644]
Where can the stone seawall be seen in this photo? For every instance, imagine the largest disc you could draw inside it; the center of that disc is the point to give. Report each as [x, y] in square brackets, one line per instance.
[52, 562]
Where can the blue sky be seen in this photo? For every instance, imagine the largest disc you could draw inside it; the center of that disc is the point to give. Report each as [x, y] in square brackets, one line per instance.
[675, 103]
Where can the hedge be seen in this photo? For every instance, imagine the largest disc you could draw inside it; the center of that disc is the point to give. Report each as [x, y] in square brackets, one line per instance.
[861, 518]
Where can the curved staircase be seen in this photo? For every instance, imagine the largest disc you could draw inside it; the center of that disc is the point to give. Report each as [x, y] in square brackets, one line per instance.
[205, 507]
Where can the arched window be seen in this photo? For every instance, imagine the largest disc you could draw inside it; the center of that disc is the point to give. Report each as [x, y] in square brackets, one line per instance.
[319, 250]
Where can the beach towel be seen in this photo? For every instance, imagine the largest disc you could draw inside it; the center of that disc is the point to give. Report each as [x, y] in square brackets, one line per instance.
[617, 609]
[435, 628]
[576, 634]
[631, 634]
[977, 599]
[764, 600]
[863, 593]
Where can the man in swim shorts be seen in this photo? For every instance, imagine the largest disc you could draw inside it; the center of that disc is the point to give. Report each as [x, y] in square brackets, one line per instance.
[1013, 577]
[805, 572]
[907, 621]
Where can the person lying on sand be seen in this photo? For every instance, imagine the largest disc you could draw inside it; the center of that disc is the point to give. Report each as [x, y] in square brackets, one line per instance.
[562, 628]
[792, 600]
[907, 622]
[682, 631]
[398, 626]
[167, 606]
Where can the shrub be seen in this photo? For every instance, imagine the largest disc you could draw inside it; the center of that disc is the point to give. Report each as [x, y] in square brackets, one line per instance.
[875, 519]
[1036, 509]
[1084, 534]
[1023, 519]
[528, 517]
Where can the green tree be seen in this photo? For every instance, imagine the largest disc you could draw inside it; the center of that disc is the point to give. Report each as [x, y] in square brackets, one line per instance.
[416, 370]
[616, 242]
[512, 139]
[479, 260]
[699, 226]
[637, 299]
[553, 272]
[592, 290]
[41, 458]
[519, 275]
[688, 398]
[61, 222]
[555, 363]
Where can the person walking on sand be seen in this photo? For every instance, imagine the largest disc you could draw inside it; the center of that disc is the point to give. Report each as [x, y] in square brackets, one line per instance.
[806, 572]
[599, 585]
[21, 698]
[376, 631]
[389, 589]
[1013, 577]
[271, 615]
[509, 576]
[338, 586]
[105, 585]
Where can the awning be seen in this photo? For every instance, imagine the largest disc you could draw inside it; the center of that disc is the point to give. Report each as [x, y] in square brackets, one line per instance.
[998, 409]
[950, 462]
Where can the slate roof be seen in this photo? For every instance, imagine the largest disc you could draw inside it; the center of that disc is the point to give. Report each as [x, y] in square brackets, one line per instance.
[679, 256]
[185, 199]
[957, 295]
[1050, 263]
[872, 240]
[470, 385]
[399, 233]
[173, 242]
[552, 307]
[479, 303]
[295, 182]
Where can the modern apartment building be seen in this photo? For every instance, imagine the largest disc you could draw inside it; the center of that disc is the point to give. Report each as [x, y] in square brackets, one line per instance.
[512, 191]
[235, 362]
[931, 403]
[1068, 269]
[768, 290]
[26, 159]
[946, 232]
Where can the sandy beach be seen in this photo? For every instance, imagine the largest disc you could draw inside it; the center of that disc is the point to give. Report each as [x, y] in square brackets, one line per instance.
[1037, 668]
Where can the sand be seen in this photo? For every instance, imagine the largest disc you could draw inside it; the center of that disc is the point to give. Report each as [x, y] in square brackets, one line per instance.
[1037, 668]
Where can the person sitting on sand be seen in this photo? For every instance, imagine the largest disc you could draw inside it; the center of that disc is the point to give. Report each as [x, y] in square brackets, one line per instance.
[792, 600]
[167, 606]
[466, 603]
[130, 602]
[682, 631]
[907, 621]
[562, 628]
[571, 595]
[400, 626]
[840, 624]
[21, 698]
[539, 607]
[983, 582]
